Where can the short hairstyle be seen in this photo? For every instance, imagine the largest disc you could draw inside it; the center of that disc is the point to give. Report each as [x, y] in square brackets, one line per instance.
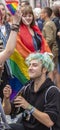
[45, 58]
[37, 12]
[25, 2]
[56, 11]
[48, 10]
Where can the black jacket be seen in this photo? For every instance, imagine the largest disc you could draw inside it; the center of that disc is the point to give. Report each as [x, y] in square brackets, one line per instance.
[37, 99]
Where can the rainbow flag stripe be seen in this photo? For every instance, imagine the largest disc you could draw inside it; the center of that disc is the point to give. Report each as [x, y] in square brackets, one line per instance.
[12, 6]
[19, 71]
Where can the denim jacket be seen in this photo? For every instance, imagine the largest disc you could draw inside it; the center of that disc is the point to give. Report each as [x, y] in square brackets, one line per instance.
[5, 38]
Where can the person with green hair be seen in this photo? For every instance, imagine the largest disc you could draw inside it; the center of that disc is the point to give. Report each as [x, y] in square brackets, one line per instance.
[45, 58]
[36, 113]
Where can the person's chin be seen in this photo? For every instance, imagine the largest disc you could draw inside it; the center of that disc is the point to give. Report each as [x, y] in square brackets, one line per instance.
[27, 24]
[32, 77]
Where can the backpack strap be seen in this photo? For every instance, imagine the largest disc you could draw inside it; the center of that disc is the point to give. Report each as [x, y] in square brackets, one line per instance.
[46, 96]
[48, 91]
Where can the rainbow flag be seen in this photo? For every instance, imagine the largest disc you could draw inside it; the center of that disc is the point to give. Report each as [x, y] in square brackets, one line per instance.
[12, 5]
[23, 48]
[19, 71]
[18, 67]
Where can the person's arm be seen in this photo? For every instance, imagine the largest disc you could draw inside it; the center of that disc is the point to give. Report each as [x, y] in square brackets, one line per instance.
[51, 111]
[7, 106]
[43, 118]
[11, 43]
[6, 100]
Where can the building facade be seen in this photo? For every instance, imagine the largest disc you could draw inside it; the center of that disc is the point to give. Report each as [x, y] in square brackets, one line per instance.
[38, 3]
[41, 3]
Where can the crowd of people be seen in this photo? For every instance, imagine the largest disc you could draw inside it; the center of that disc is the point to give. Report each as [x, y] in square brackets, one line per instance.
[37, 38]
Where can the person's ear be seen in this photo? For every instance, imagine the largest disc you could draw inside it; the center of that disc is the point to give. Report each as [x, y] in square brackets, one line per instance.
[44, 70]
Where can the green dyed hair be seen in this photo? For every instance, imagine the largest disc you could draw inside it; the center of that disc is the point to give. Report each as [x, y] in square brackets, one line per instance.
[45, 58]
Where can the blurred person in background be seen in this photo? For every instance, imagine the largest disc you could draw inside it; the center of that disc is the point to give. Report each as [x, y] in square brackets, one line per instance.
[49, 32]
[38, 20]
[9, 18]
[4, 73]
[56, 3]
[4, 26]
[4, 78]
[56, 18]
[4, 34]
[24, 2]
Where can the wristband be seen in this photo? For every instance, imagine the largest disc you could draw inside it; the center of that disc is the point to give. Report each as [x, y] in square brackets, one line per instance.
[27, 113]
[15, 27]
[31, 109]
